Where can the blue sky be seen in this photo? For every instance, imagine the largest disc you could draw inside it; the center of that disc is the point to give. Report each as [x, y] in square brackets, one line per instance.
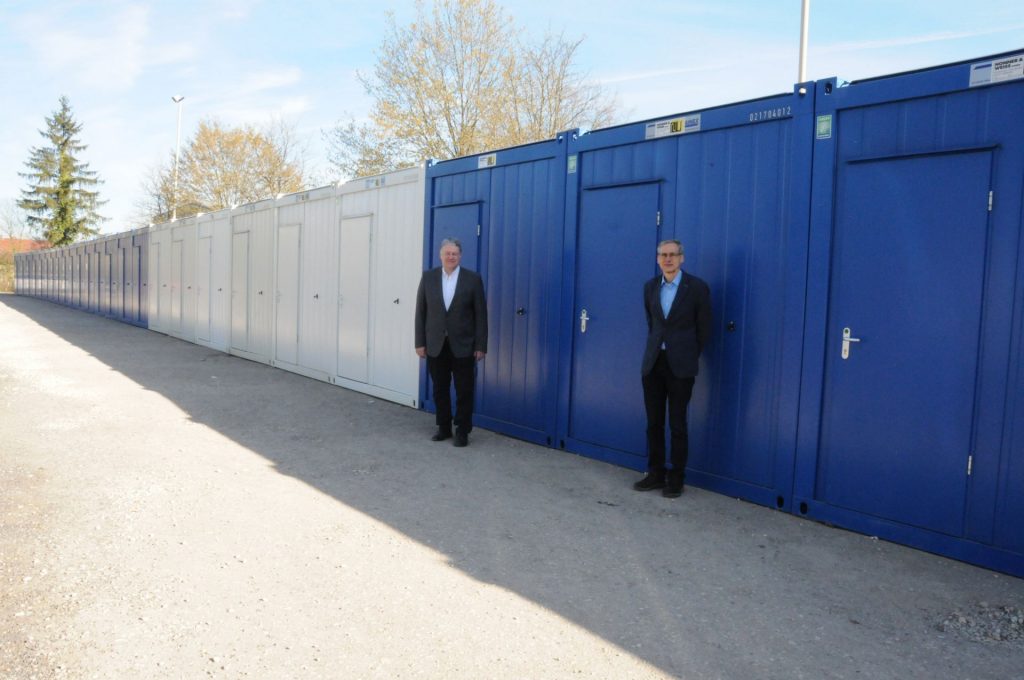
[246, 61]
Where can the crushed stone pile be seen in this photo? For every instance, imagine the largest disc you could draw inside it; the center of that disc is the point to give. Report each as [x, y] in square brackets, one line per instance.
[986, 623]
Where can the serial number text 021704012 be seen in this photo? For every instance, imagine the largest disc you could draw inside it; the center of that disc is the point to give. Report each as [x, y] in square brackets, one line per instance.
[770, 114]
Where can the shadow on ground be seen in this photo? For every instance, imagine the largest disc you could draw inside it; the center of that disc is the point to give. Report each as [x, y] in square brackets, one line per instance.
[704, 586]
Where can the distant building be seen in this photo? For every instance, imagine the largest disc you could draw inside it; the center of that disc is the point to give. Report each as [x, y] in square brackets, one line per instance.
[21, 245]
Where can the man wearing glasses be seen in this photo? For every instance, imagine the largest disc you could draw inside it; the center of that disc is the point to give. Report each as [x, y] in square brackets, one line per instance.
[678, 308]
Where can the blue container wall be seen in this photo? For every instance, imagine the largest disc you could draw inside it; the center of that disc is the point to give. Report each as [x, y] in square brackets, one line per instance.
[910, 423]
[734, 191]
[508, 216]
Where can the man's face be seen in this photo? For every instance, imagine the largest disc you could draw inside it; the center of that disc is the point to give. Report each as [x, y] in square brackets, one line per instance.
[450, 258]
[670, 259]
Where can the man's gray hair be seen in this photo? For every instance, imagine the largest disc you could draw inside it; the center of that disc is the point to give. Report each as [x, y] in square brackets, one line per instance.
[451, 241]
[671, 241]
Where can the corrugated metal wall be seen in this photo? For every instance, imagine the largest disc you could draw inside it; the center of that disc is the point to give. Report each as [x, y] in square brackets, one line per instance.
[507, 208]
[910, 410]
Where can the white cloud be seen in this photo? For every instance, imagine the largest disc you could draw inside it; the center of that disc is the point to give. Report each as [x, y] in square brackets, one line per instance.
[939, 37]
[107, 51]
[270, 80]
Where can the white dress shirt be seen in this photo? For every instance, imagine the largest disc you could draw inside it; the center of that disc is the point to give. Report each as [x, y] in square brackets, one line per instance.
[448, 283]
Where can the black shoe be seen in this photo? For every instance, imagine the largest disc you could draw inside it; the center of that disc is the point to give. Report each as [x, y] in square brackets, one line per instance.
[461, 439]
[672, 491]
[441, 435]
[650, 483]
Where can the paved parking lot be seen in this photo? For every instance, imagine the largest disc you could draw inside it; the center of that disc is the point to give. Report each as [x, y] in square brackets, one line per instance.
[168, 511]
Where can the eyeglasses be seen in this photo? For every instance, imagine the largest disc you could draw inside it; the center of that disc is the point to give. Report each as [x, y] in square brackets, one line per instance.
[669, 254]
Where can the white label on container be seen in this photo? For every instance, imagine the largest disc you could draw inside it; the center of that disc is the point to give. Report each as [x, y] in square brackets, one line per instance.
[998, 71]
[674, 126]
[488, 161]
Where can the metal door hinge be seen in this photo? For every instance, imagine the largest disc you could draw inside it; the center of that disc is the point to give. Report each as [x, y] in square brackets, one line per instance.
[990, 201]
[657, 219]
[970, 464]
[478, 230]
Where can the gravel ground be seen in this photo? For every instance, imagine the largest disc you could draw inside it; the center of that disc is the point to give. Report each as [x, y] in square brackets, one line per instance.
[167, 511]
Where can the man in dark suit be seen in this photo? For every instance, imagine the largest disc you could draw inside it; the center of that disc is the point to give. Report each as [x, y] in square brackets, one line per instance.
[451, 334]
[678, 307]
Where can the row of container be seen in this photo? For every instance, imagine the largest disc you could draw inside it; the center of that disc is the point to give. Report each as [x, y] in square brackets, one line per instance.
[864, 252]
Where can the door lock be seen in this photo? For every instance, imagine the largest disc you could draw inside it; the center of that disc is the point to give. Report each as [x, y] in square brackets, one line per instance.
[847, 339]
[583, 321]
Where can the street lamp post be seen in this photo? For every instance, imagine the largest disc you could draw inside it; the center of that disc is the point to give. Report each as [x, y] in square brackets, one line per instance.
[177, 99]
[805, 16]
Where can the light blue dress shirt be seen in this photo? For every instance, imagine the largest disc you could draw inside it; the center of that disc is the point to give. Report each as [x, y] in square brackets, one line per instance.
[668, 292]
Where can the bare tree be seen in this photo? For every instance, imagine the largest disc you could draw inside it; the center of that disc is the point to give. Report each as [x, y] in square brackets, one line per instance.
[13, 223]
[221, 167]
[461, 80]
[549, 94]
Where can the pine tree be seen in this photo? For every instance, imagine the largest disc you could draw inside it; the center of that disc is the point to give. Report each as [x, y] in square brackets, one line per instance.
[60, 202]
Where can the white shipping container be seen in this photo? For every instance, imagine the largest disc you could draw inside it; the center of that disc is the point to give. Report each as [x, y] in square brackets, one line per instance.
[305, 283]
[380, 252]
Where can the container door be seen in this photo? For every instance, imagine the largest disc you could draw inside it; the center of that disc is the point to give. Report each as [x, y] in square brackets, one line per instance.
[119, 284]
[354, 298]
[204, 251]
[95, 278]
[155, 295]
[104, 282]
[463, 223]
[287, 322]
[240, 291]
[131, 284]
[318, 323]
[138, 285]
[177, 286]
[905, 308]
[617, 232]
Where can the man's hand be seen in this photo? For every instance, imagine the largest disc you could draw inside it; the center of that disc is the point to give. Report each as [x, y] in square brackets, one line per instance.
[479, 355]
[421, 352]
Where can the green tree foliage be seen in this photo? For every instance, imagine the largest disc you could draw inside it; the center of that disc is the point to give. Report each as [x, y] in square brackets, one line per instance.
[224, 166]
[461, 80]
[60, 202]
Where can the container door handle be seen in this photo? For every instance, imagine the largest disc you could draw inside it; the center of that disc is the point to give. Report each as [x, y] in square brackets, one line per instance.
[847, 339]
[583, 321]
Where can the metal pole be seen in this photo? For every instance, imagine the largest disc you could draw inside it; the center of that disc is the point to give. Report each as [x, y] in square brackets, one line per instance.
[177, 99]
[805, 14]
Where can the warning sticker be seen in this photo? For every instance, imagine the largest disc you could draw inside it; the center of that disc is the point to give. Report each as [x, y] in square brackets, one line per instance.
[488, 161]
[675, 126]
[997, 71]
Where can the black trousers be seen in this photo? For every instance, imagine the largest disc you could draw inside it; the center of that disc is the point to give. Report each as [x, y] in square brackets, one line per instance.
[443, 368]
[661, 387]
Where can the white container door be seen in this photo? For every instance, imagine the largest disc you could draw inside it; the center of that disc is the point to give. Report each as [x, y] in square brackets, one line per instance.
[220, 285]
[203, 254]
[354, 298]
[318, 308]
[154, 282]
[177, 286]
[289, 250]
[240, 291]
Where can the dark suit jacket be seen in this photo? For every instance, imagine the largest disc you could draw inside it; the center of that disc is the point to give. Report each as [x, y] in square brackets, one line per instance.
[464, 323]
[685, 332]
